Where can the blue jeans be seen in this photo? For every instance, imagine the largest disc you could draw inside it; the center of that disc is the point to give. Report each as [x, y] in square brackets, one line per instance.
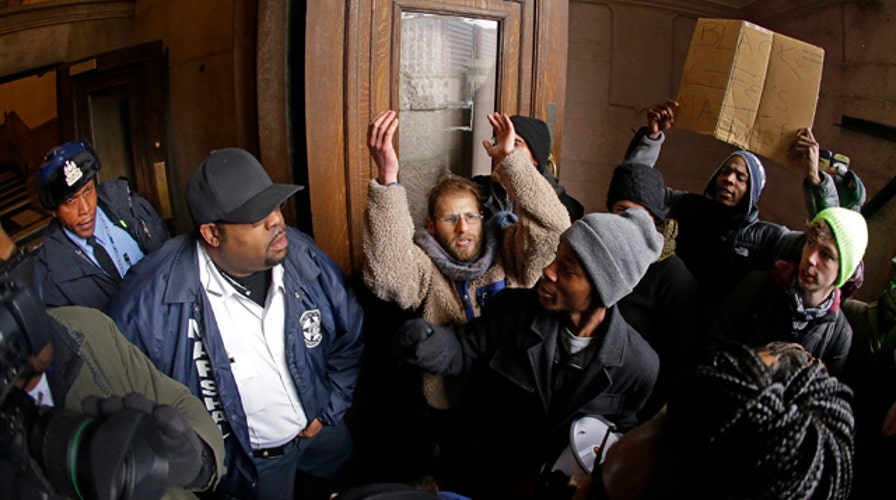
[321, 457]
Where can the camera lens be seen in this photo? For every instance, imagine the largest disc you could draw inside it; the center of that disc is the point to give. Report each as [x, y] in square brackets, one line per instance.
[57, 443]
[120, 457]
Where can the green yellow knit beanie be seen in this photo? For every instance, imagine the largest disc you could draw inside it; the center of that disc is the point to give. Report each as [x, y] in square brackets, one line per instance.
[851, 235]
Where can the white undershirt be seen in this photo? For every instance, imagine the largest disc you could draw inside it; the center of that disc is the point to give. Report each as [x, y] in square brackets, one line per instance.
[41, 392]
[255, 344]
[573, 342]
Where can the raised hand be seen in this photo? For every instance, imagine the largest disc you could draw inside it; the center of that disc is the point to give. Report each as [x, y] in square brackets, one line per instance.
[804, 152]
[661, 117]
[505, 137]
[379, 142]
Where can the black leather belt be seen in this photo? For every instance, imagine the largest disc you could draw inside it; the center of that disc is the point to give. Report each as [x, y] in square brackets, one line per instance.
[276, 451]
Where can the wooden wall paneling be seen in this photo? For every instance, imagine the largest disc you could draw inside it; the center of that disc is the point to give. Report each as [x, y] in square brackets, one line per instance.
[511, 56]
[525, 58]
[273, 119]
[345, 89]
[549, 70]
[325, 65]
[362, 43]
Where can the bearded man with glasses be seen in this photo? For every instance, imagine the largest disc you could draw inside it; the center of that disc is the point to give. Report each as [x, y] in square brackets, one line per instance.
[446, 271]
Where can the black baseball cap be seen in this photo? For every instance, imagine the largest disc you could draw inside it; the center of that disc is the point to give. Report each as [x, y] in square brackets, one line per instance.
[230, 185]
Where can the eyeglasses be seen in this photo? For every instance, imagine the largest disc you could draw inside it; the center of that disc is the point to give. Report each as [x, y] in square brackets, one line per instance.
[454, 219]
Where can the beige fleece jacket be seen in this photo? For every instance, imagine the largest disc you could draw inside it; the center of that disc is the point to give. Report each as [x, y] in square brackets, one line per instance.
[399, 271]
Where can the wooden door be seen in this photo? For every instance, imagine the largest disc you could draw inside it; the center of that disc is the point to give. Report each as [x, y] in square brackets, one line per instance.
[353, 70]
[116, 101]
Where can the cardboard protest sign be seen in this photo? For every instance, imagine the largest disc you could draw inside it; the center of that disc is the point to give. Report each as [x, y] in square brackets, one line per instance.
[748, 86]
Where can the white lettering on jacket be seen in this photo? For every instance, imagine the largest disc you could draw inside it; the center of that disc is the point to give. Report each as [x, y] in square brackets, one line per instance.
[208, 388]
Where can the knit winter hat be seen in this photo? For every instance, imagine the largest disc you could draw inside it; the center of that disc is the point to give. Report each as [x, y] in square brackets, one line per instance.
[850, 234]
[641, 184]
[536, 134]
[615, 250]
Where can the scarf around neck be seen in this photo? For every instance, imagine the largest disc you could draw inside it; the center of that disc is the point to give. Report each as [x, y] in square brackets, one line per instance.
[670, 232]
[801, 315]
[465, 271]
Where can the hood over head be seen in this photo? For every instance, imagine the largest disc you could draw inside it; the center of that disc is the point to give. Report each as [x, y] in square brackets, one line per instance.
[749, 204]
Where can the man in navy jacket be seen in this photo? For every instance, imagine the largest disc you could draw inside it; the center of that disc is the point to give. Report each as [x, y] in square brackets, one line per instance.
[99, 230]
[258, 322]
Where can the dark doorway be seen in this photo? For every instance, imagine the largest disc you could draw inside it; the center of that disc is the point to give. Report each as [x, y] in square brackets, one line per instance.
[297, 134]
[117, 101]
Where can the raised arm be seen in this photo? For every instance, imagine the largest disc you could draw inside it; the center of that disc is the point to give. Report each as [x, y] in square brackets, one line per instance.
[819, 189]
[530, 243]
[395, 269]
[505, 136]
[379, 142]
[661, 117]
[646, 144]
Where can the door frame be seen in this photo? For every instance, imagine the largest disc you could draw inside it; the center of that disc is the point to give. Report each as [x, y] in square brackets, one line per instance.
[143, 68]
[351, 60]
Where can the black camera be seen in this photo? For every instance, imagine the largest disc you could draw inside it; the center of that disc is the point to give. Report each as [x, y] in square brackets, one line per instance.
[48, 452]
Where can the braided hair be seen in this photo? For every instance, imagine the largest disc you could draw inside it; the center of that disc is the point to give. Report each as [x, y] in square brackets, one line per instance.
[752, 430]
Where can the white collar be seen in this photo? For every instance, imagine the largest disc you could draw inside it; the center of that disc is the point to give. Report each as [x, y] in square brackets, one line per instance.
[219, 288]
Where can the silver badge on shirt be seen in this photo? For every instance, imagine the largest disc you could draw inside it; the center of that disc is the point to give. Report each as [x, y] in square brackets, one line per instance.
[310, 322]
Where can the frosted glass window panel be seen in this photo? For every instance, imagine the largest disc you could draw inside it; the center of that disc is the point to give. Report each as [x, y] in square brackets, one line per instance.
[446, 90]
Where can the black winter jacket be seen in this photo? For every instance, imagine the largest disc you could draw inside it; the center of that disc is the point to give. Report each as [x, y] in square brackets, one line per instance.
[514, 413]
[720, 244]
[758, 312]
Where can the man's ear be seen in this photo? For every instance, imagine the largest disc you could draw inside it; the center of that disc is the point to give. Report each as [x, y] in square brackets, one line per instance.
[430, 225]
[211, 234]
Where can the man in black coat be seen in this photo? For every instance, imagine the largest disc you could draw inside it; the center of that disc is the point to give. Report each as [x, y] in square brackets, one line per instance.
[537, 358]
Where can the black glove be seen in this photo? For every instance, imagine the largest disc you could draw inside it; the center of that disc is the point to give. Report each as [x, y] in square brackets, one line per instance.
[186, 452]
[433, 348]
[408, 335]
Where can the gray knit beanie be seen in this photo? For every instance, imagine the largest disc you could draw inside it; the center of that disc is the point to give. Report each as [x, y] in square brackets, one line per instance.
[615, 250]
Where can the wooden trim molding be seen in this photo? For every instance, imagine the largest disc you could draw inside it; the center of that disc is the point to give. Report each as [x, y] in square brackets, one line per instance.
[330, 29]
[271, 90]
[351, 62]
[38, 15]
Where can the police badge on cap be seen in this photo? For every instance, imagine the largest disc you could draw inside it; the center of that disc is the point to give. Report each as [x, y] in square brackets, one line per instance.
[72, 173]
[64, 171]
